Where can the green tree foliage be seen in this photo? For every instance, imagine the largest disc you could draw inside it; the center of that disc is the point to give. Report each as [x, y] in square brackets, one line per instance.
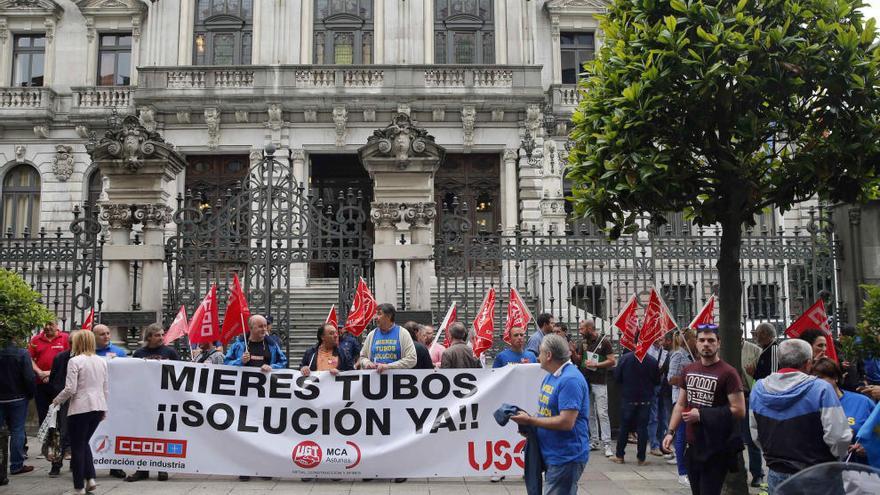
[20, 309]
[866, 343]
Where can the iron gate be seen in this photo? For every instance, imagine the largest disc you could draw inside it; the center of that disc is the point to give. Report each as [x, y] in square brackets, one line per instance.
[578, 273]
[267, 230]
[65, 266]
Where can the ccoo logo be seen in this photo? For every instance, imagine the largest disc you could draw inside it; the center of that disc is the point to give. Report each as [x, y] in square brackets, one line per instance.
[307, 454]
[101, 444]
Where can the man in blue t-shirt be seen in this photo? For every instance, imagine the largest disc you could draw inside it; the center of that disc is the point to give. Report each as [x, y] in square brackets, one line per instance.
[515, 354]
[561, 421]
[104, 347]
[545, 327]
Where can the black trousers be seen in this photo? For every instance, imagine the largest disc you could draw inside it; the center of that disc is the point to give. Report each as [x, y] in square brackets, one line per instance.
[42, 398]
[706, 478]
[81, 427]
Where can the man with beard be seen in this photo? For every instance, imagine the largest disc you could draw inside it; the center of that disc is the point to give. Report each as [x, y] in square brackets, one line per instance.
[711, 404]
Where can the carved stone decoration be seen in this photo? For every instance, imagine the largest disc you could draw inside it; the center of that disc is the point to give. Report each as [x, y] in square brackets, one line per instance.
[298, 155]
[183, 117]
[82, 131]
[438, 114]
[212, 120]
[128, 141]
[62, 165]
[136, 27]
[468, 122]
[551, 162]
[91, 32]
[41, 131]
[402, 140]
[255, 155]
[404, 108]
[152, 215]
[148, 118]
[241, 116]
[310, 114]
[105, 186]
[510, 155]
[20, 152]
[117, 215]
[497, 115]
[370, 114]
[534, 120]
[386, 215]
[4, 30]
[340, 119]
[49, 24]
[420, 215]
[275, 117]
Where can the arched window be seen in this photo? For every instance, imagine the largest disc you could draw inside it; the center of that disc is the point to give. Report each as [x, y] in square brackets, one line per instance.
[224, 32]
[95, 187]
[21, 200]
[464, 32]
[343, 32]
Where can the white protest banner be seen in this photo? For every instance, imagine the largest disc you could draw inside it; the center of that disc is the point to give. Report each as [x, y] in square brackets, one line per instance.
[196, 418]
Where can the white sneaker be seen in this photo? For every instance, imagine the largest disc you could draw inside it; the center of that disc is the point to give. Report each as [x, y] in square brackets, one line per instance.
[669, 456]
[672, 461]
[608, 451]
[683, 480]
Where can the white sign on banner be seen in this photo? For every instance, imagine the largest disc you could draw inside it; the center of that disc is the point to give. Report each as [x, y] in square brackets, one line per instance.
[196, 418]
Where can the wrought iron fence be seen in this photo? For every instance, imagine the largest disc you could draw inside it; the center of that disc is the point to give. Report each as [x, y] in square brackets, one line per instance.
[65, 266]
[577, 274]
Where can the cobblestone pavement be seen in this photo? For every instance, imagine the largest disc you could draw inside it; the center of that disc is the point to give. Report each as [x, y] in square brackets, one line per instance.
[600, 477]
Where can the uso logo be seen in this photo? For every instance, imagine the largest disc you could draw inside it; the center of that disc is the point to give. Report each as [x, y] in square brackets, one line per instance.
[307, 454]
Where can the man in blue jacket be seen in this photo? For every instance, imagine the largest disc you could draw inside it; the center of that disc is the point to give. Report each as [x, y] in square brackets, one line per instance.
[637, 380]
[258, 351]
[17, 387]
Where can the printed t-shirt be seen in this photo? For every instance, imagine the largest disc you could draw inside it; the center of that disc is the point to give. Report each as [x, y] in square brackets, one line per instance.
[565, 390]
[708, 386]
[857, 408]
[509, 356]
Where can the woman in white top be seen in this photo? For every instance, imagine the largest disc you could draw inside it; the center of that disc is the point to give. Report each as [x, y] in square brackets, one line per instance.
[86, 387]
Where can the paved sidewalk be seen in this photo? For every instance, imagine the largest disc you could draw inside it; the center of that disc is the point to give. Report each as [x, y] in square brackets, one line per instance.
[600, 477]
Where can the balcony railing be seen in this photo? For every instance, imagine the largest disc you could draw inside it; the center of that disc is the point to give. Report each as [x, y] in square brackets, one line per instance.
[565, 97]
[102, 97]
[26, 99]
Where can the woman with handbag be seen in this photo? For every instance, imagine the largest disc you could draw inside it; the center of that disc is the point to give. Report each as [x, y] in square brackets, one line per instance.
[87, 388]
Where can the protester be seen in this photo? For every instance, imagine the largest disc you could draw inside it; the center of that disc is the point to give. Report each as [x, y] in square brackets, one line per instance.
[17, 387]
[658, 417]
[595, 371]
[270, 334]
[853, 368]
[258, 351]
[57, 381]
[711, 403]
[387, 346]
[545, 327]
[749, 359]
[209, 353]
[435, 348]
[872, 391]
[684, 348]
[87, 387]
[515, 353]
[768, 362]
[43, 348]
[326, 355]
[817, 341]
[349, 344]
[796, 419]
[423, 356]
[561, 421]
[154, 348]
[561, 329]
[103, 345]
[856, 407]
[459, 354]
[637, 382]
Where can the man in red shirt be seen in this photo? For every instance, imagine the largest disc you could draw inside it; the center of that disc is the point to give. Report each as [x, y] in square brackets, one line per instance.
[43, 348]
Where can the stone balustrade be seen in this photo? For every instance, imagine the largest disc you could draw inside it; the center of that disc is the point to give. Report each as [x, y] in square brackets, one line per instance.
[102, 97]
[27, 104]
[565, 97]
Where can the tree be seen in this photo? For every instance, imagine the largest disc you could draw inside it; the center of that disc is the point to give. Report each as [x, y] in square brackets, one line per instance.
[720, 109]
[20, 309]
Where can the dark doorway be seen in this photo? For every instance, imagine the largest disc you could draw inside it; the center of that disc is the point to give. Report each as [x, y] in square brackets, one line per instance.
[475, 180]
[336, 181]
[211, 177]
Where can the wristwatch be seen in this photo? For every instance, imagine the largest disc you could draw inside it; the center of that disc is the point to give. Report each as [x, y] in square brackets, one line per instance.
[671, 433]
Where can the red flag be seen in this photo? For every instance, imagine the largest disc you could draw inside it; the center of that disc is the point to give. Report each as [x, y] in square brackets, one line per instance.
[658, 322]
[90, 320]
[449, 319]
[204, 326]
[518, 314]
[484, 324]
[178, 327]
[363, 309]
[332, 318]
[814, 317]
[237, 313]
[628, 324]
[706, 315]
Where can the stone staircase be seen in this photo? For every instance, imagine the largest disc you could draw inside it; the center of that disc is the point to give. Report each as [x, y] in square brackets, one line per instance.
[308, 311]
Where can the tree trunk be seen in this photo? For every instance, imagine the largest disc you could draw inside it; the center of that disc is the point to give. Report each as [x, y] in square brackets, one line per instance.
[730, 314]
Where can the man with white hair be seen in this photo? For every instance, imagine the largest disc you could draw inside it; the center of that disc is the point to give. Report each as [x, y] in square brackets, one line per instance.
[562, 418]
[796, 418]
[257, 351]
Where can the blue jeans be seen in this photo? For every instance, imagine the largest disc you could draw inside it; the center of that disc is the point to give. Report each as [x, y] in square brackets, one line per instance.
[563, 479]
[655, 419]
[680, 441]
[633, 418]
[774, 479]
[14, 415]
[754, 452]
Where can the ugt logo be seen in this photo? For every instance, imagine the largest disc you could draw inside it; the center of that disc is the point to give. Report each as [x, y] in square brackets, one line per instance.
[498, 453]
[307, 454]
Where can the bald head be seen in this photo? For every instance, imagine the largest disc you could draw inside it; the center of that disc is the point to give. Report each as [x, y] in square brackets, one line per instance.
[102, 336]
[257, 326]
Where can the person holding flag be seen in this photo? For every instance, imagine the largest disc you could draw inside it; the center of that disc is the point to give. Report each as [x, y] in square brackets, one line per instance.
[458, 355]
[516, 352]
[594, 356]
[258, 351]
[387, 346]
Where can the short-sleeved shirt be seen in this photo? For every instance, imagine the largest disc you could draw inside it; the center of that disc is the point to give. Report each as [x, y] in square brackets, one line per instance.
[43, 349]
[111, 351]
[857, 408]
[534, 344]
[260, 354]
[678, 360]
[708, 386]
[564, 390]
[163, 352]
[509, 356]
[598, 376]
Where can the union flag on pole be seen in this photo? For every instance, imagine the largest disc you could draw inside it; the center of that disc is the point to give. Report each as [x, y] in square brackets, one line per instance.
[205, 326]
[628, 323]
[518, 314]
[237, 313]
[450, 318]
[814, 317]
[332, 318]
[658, 322]
[178, 327]
[484, 324]
[90, 320]
[363, 309]
[706, 315]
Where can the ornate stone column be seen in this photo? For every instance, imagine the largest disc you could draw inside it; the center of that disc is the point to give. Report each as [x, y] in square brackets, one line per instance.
[402, 159]
[511, 198]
